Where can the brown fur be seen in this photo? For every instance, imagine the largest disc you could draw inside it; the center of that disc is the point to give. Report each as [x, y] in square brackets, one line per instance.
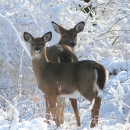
[63, 52]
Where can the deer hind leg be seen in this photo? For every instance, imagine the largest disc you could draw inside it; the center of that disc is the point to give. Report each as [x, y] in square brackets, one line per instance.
[95, 112]
[74, 105]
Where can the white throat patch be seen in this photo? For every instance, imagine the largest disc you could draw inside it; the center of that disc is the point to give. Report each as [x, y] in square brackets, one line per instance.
[36, 56]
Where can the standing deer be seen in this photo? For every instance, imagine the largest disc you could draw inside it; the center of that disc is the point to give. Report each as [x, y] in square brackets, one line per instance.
[66, 79]
[62, 52]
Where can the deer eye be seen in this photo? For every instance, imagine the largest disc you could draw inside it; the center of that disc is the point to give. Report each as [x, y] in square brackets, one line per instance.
[65, 36]
[75, 35]
[41, 44]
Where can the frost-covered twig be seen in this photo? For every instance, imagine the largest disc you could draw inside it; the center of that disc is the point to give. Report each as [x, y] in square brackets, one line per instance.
[126, 55]
[105, 8]
[15, 115]
[113, 31]
[107, 37]
[10, 106]
[15, 119]
[20, 73]
[17, 35]
[114, 24]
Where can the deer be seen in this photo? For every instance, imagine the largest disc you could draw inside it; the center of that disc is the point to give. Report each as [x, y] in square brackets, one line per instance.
[86, 78]
[63, 52]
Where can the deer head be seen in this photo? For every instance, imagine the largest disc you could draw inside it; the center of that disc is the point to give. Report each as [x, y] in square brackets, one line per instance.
[68, 37]
[37, 44]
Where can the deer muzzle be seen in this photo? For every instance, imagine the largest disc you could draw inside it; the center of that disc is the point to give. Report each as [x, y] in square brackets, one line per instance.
[37, 50]
[72, 44]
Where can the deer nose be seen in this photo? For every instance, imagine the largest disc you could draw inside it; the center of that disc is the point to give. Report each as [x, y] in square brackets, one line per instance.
[72, 44]
[37, 49]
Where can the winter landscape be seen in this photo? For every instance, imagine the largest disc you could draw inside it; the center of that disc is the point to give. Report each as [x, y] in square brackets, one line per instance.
[105, 39]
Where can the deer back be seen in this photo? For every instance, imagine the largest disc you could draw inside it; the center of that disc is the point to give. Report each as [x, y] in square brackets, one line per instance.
[60, 53]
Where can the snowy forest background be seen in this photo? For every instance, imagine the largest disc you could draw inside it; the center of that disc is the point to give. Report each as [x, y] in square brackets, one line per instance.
[105, 39]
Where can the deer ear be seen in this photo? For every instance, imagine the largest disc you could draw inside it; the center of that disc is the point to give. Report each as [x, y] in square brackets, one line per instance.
[56, 27]
[28, 37]
[79, 27]
[47, 37]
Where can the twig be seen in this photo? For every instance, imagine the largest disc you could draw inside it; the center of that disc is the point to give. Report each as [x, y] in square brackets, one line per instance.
[20, 74]
[105, 8]
[15, 115]
[115, 40]
[126, 56]
[114, 24]
[88, 15]
[11, 107]
[107, 37]
[90, 11]
[113, 31]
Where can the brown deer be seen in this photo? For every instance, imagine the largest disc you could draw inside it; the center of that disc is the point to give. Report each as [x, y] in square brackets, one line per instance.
[66, 79]
[62, 52]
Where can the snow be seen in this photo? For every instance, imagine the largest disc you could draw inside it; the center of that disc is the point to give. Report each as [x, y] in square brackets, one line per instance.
[22, 104]
[14, 120]
[36, 124]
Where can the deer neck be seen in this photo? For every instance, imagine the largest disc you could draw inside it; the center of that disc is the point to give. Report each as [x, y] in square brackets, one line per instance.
[39, 62]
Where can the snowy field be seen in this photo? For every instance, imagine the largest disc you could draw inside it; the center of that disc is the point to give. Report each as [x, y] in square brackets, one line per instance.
[105, 39]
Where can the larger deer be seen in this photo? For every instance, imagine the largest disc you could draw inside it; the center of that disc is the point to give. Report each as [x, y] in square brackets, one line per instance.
[66, 79]
[62, 52]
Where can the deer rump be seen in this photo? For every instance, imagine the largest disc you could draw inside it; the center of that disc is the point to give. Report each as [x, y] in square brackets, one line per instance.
[85, 77]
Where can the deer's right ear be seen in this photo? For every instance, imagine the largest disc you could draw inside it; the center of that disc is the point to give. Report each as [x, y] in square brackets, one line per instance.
[28, 37]
[56, 27]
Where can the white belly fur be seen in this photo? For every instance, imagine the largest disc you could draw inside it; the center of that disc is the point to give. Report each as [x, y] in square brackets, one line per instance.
[74, 95]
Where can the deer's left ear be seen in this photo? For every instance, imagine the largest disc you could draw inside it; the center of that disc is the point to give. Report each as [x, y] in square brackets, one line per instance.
[79, 27]
[47, 37]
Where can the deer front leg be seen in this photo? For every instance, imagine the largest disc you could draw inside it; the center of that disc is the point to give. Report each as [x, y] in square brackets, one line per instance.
[74, 105]
[53, 108]
[60, 108]
[95, 112]
[47, 109]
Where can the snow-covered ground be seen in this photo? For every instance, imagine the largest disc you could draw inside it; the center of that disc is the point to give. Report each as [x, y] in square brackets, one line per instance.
[22, 104]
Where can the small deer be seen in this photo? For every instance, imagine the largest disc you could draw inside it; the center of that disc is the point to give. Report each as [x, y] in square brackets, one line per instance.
[66, 79]
[62, 52]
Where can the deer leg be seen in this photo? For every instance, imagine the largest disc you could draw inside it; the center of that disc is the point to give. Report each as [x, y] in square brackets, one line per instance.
[62, 114]
[47, 108]
[74, 105]
[53, 106]
[95, 112]
[60, 109]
